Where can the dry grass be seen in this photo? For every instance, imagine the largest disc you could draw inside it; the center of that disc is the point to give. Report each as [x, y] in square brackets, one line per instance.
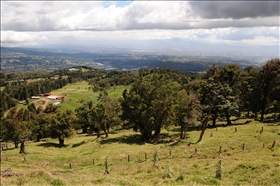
[46, 164]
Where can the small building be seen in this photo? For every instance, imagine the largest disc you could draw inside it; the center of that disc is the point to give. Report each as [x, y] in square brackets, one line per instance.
[55, 97]
[51, 97]
[35, 97]
[56, 103]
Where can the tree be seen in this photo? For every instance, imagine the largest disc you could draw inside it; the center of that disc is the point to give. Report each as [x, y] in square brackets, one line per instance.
[149, 105]
[105, 115]
[186, 111]
[269, 83]
[61, 126]
[216, 101]
[109, 110]
[40, 126]
[17, 125]
[229, 76]
[82, 113]
[250, 91]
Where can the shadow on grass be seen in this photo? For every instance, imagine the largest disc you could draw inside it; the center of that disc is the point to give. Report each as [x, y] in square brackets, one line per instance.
[10, 148]
[78, 144]
[51, 144]
[130, 139]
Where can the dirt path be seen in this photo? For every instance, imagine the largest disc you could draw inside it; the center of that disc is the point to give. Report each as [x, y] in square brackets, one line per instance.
[46, 103]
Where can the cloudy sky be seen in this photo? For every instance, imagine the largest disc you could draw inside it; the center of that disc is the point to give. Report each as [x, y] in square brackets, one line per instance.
[236, 23]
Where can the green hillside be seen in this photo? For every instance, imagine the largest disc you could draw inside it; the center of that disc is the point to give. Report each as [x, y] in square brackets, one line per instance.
[247, 159]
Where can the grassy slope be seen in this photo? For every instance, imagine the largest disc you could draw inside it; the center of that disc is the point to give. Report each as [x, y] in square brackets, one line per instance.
[49, 165]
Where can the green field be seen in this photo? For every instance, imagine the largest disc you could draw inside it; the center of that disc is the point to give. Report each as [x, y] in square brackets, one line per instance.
[77, 94]
[247, 159]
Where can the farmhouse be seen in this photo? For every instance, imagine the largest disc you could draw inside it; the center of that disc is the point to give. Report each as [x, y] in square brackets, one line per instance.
[55, 97]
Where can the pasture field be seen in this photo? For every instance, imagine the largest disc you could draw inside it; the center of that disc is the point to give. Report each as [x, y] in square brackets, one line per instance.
[76, 94]
[248, 158]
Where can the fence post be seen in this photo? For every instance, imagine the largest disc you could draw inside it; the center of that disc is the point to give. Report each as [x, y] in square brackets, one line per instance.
[106, 166]
[273, 144]
[243, 146]
[70, 165]
[261, 130]
[220, 149]
[128, 158]
[92, 161]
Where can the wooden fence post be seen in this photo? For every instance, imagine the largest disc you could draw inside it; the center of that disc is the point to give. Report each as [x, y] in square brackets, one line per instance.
[92, 161]
[220, 149]
[70, 165]
[273, 144]
[128, 158]
[243, 146]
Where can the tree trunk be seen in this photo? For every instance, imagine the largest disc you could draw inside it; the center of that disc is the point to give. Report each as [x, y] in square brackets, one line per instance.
[61, 142]
[22, 147]
[262, 114]
[263, 107]
[84, 129]
[16, 144]
[214, 120]
[255, 115]
[184, 129]
[156, 134]
[203, 128]
[0, 151]
[106, 133]
[228, 119]
[146, 135]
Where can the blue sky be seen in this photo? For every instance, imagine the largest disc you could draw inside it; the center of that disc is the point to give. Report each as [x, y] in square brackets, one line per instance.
[106, 4]
[231, 23]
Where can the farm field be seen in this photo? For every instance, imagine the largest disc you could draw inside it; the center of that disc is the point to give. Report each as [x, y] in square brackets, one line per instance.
[77, 94]
[248, 158]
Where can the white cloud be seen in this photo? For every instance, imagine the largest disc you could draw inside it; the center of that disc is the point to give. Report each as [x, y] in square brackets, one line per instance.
[257, 36]
[139, 15]
[86, 22]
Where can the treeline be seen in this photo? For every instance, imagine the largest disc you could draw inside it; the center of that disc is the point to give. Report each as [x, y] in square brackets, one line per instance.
[157, 98]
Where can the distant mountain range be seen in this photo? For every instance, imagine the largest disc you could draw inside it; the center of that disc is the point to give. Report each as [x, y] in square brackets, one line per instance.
[51, 58]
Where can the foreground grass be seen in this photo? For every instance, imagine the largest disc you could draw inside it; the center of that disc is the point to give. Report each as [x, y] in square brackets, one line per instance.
[46, 164]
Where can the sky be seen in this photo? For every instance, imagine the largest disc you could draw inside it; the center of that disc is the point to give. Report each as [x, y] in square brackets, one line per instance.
[89, 23]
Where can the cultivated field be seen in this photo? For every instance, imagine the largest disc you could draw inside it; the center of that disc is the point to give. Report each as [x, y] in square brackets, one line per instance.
[248, 158]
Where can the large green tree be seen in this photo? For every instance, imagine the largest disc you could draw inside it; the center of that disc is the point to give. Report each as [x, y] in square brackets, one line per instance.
[229, 76]
[105, 115]
[186, 111]
[17, 127]
[149, 105]
[62, 126]
[269, 84]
